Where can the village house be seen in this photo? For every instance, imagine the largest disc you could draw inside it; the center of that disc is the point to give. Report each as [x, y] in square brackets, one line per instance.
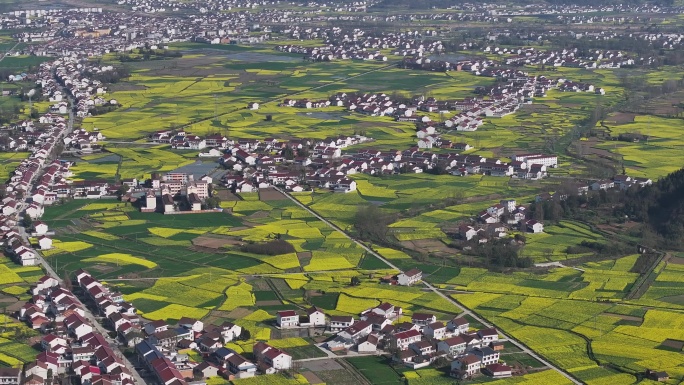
[497, 370]
[369, 345]
[10, 376]
[270, 359]
[316, 316]
[465, 367]
[409, 277]
[423, 319]
[287, 319]
[486, 355]
[532, 226]
[435, 330]
[385, 309]
[402, 340]
[453, 346]
[488, 335]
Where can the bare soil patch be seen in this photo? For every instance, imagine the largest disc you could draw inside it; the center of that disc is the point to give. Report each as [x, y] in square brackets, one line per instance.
[534, 107]
[589, 149]
[675, 344]
[15, 306]
[215, 242]
[239, 313]
[312, 378]
[103, 268]
[226, 195]
[270, 194]
[322, 365]
[621, 118]
[625, 317]
[425, 246]
[124, 86]
[274, 302]
[258, 215]
[676, 260]
[304, 255]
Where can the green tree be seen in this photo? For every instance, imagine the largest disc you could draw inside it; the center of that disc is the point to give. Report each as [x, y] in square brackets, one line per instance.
[213, 202]
[122, 190]
[371, 223]
[245, 334]
[28, 222]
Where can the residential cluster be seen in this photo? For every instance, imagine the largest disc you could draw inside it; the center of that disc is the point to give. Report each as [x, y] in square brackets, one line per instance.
[171, 192]
[357, 44]
[573, 58]
[35, 182]
[416, 344]
[69, 80]
[495, 221]
[72, 343]
[162, 349]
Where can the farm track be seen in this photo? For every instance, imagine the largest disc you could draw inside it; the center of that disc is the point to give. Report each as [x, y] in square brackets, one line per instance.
[636, 290]
[463, 309]
[358, 376]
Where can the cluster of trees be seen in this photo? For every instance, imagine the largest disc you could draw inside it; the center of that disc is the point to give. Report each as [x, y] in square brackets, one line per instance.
[290, 153]
[502, 253]
[372, 224]
[614, 249]
[10, 115]
[274, 247]
[212, 202]
[111, 77]
[100, 110]
[661, 207]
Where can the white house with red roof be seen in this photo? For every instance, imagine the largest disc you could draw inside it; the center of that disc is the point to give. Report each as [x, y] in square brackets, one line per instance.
[409, 277]
[316, 316]
[271, 359]
[46, 282]
[385, 309]
[402, 340]
[41, 227]
[534, 226]
[44, 242]
[287, 319]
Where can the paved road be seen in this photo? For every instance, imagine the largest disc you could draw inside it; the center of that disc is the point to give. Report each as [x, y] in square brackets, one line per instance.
[8, 51]
[332, 356]
[465, 310]
[50, 271]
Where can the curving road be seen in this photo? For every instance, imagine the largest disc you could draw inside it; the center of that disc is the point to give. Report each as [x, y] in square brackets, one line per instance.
[463, 309]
